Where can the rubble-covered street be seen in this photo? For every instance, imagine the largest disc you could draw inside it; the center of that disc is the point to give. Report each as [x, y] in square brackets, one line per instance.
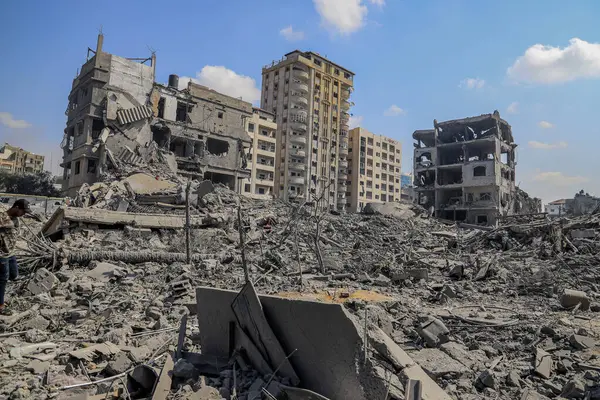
[504, 313]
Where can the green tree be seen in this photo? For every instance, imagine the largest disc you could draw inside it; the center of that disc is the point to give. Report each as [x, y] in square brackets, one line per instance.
[40, 184]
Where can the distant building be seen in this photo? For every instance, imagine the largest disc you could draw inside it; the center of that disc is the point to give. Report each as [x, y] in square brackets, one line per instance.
[557, 208]
[582, 203]
[310, 97]
[20, 161]
[465, 169]
[375, 162]
[262, 129]
[407, 190]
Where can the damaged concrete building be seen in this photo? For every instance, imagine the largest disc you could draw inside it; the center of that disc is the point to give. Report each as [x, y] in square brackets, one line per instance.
[204, 129]
[118, 114]
[464, 169]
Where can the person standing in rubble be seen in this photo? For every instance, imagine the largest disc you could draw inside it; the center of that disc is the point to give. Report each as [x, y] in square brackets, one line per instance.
[9, 231]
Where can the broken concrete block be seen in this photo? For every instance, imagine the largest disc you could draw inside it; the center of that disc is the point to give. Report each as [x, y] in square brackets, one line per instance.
[530, 394]
[381, 280]
[457, 272]
[474, 359]
[183, 369]
[102, 271]
[543, 364]
[513, 379]
[138, 232]
[37, 322]
[438, 364]
[153, 312]
[582, 342]
[38, 367]
[486, 379]
[434, 332]
[571, 298]
[120, 364]
[43, 281]
[573, 389]
[583, 233]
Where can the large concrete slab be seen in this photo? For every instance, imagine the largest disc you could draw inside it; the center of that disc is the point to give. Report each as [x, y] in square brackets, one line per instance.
[327, 344]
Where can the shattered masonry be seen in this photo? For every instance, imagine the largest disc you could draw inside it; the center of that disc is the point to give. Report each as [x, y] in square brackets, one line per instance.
[464, 169]
[118, 114]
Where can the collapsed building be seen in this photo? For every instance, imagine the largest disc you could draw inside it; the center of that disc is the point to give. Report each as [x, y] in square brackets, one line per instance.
[464, 169]
[118, 114]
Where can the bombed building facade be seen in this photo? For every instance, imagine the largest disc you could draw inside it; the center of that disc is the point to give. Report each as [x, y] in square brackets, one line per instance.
[464, 169]
[118, 114]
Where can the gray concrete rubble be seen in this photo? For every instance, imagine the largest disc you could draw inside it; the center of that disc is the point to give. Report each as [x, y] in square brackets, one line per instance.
[392, 302]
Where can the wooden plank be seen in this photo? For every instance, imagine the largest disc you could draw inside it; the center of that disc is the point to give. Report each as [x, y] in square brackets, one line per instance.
[251, 319]
[163, 385]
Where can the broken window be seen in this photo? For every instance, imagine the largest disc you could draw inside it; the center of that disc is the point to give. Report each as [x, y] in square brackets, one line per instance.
[77, 167]
[220, 115]
[183, 111]
[250, 127]
[161, 107]
[486, 196]
[482, 219]
[79, 128]
[470, 197]
[91, 166]
[97, 126]
[479, 171]
[217, 147]
[247, 188]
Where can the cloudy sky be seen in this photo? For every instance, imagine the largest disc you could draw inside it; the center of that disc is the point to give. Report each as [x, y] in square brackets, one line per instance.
[536, 62]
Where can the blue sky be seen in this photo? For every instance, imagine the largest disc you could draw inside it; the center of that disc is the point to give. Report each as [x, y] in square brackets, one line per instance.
[428, 59]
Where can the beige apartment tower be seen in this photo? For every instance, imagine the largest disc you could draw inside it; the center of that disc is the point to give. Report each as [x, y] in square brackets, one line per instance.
[309, 96]
[375, 169]
[262, 129]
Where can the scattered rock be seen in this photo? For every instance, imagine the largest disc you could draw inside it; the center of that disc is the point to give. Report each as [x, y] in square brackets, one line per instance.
[120, 364]
[572, 298]
[183, 369]
[434, 332]
[37, 366]
[573, 389]
[543, 364]
[582, 342]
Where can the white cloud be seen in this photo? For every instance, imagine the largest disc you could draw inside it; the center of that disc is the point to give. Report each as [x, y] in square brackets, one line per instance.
[379, 3]
[559, 179]
[472, 83]
[8, 120]
[513, 108]
[343, 16]
[547, 146]
[548, 64]
[291, 35]
[225, 81]
[545, 125]
[355, 121]
[394, 111]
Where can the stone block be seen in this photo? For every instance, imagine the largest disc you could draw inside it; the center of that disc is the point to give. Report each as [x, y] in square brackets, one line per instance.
[43, 281]
[571, 298]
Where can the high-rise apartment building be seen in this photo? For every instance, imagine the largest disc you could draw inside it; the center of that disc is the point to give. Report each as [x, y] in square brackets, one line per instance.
[15, 159]
[375, 169]
[309, 95]
[262, 129]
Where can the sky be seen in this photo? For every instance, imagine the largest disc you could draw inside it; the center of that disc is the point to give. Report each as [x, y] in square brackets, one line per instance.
[536, 62]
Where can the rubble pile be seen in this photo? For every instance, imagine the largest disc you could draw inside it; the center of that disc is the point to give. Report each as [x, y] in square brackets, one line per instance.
[508, 313]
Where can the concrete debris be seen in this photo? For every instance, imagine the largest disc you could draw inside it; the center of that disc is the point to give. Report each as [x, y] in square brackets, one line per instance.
[108, 282]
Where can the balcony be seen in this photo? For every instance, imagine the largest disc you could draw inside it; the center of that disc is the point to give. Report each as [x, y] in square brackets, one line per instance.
[296, 180]
[343, 163]
[297, 139]
[297, 152]
[303, 101]
[342, 186]
[298, 85]
[343, 174]
[345, 117]
[299, 126]
[343, 150]
[301, 75]
[297, 166]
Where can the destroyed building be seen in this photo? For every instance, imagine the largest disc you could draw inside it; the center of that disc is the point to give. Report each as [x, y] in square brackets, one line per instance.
[204, 129]
[118, 114]
[464, 169]
[262, 129]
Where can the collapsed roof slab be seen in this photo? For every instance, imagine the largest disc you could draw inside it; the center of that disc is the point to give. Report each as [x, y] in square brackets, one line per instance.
[327, 340]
